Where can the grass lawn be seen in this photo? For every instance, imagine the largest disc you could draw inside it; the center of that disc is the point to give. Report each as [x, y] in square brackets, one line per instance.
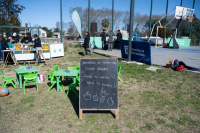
[162, 101]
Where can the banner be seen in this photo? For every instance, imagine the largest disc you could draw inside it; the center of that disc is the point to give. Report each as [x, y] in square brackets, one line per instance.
[77, 21]
[181, 42]
[140, 52]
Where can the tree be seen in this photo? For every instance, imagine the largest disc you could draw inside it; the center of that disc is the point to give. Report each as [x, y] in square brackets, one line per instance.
[49, 32]
[105, 23]
[57, 29]
[9, 14]
[9, 8]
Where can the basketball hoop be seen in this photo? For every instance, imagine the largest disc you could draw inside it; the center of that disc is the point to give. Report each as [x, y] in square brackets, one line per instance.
[190, 18]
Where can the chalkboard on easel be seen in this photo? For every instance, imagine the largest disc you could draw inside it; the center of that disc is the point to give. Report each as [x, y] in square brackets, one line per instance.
[98, 84]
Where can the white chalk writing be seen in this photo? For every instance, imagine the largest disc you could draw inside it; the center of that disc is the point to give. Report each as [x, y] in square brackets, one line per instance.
[87, 76]
[90, 82]
[89, 62]
[102, 69]
[89, 68]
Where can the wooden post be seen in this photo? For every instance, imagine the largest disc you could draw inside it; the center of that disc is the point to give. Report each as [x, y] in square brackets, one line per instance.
[117, 114]
[80, 113]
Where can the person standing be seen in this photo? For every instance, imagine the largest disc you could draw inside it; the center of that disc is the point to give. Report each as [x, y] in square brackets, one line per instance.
[15, 38]
[25, 39]
[86, 42]
[110, 40]
[10, 45]
[103, 39]
[37, 43]
[4, 45]
[29, 36]
[119, 37]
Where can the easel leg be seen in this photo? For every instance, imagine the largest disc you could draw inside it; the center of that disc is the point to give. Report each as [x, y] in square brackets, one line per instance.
[44, 57]
[37, 59]
[80, 113]
[117, 114]
[13, 59]
[5, 63]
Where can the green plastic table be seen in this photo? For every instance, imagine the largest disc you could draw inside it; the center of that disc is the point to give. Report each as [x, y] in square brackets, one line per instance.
[72, 73]
[21, 71]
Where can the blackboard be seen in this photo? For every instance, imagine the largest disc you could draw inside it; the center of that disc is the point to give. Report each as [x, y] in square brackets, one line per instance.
[98, 84]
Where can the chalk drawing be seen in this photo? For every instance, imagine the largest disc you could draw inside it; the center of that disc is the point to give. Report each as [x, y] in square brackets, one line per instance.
[95, 97]
[110, 101]
[87, 96]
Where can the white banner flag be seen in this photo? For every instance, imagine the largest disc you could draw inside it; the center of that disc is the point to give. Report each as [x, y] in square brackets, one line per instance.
[77, 21]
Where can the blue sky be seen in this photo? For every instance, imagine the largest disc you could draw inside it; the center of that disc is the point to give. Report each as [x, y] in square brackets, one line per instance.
[47, 12]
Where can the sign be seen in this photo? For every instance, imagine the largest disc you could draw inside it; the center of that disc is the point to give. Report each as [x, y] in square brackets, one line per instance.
[140, 52]
[98, 85]
[77, 21]
[181, 42]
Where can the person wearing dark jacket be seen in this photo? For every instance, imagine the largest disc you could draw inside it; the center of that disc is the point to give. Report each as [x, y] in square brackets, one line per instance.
[15, 38]
[119, 37]
[30, 38]
[110, 40]
[37, 41]
[5, 46]
[86, 42]
[25, 39]
[103, 38]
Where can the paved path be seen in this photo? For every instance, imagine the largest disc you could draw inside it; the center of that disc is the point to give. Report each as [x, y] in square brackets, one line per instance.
[190, 56]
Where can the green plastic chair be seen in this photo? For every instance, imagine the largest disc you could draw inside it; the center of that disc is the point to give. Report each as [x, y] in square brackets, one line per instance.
[56, 68]
[53, 81]
[6, 80]
[30, 78]
[73, 87]
[22, 66]
[119, 69]
[72, 68]
[78, 66]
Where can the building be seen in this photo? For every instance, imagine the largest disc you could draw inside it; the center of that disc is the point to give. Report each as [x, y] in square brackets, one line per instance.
[56, 35]
[42, 32]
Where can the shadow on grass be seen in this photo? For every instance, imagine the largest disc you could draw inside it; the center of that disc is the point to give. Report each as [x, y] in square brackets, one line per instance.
[81, 53]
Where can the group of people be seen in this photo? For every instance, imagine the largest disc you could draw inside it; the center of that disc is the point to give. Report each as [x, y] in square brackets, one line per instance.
[8, 43]
[110, 36]
[103, 36]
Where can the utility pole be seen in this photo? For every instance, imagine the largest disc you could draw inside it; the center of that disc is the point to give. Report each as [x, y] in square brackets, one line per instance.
[179, 20]
[165, 22]
[150, 18]
[112, 15]
[191, 22]
[61, 34]
[131, 29]
[89, 16]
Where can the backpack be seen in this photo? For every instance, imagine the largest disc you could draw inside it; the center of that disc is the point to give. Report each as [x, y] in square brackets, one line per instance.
[175, 64]
[41, 78]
